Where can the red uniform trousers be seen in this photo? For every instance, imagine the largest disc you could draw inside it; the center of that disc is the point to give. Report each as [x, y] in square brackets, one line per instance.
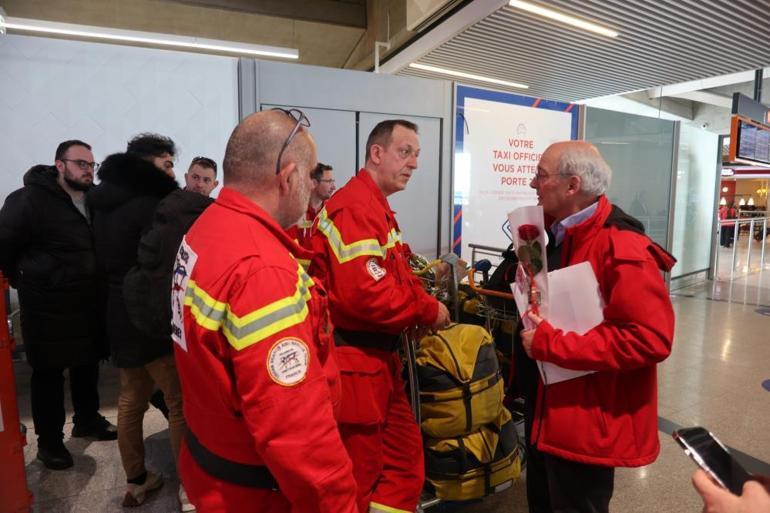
[211, 495]
[379, 430]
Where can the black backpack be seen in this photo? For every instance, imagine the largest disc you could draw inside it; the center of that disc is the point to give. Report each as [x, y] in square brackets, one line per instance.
[147, 285]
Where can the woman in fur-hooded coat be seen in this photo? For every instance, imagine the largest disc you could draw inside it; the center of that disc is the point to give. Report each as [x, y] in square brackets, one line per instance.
[124, 203]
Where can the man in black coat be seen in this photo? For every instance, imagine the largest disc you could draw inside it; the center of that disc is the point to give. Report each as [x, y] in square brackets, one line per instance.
[132, 184]
[47, 253]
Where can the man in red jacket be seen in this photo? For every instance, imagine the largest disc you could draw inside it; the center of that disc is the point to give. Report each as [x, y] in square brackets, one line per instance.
[373, 296]
[579, 430]
[322, 178]
[253, 341]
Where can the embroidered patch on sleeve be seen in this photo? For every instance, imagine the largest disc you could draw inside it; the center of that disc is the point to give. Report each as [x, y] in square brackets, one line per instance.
[288, 361]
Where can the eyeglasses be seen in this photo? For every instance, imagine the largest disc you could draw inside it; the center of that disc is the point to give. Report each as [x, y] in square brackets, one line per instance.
[83, 164]
[301, 120]
[542, 176]
[207, 162]
[327, 180]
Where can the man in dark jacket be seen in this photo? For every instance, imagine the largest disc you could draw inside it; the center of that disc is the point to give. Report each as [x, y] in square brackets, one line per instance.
[132, 185]
[47, 253]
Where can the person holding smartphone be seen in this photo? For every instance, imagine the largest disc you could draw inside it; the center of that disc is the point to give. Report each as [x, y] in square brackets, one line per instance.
[716, 499]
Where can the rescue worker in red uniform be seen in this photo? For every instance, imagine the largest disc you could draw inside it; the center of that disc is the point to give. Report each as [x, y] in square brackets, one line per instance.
[324, 186]
[579, 430]
[253, 341]
[359, 255]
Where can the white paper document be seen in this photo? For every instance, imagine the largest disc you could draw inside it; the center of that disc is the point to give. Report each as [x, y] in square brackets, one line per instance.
[575, 304]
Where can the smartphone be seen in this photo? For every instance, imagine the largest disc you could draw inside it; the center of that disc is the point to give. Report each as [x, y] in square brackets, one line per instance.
[712, 456]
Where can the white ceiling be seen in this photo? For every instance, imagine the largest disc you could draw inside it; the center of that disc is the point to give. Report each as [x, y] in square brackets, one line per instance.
[661, 42]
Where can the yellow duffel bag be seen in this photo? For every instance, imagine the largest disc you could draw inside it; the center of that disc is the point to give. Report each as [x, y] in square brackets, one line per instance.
[461, 388]
[484, 462]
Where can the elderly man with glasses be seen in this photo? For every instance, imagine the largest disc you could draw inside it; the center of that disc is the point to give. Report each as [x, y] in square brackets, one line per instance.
[47, 253]
[579, 430]
[253, 341]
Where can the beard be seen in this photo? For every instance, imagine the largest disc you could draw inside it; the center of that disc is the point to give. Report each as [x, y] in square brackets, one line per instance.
[76, 185]
[293, 214]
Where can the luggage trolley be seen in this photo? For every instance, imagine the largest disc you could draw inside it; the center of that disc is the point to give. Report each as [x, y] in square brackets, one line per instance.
[445, 291]
[448, 290]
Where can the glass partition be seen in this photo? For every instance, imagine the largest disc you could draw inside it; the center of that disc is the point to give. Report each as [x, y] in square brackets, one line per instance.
[640, 151]
[696, 175]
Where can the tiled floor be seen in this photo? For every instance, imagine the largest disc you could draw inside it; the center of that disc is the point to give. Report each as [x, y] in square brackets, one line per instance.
[712, 378]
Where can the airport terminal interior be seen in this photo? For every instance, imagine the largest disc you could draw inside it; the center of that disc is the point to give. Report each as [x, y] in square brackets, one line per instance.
[674, 95]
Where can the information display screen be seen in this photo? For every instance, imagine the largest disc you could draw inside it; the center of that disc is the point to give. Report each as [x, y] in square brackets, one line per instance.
[749, 141]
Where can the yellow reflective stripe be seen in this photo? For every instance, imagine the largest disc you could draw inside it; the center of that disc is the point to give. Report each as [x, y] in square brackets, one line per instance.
[241, 332]
[375, 507]
[207, 311]
[347, 252]
[304, 263]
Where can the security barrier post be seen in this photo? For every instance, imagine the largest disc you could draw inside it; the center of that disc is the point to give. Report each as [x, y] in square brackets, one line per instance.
[14, 495]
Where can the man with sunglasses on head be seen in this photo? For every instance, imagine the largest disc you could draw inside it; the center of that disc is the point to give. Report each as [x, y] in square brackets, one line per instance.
[47, 253]
[324, 186]
[252, 337]
[201, 177]
[359, 255]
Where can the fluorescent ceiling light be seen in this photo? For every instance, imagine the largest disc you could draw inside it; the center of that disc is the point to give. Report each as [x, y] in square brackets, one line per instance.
[563, 18]
[147, 38]
[467, 75]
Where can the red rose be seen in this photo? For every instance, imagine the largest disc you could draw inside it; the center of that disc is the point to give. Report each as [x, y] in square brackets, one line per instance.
[528, 232]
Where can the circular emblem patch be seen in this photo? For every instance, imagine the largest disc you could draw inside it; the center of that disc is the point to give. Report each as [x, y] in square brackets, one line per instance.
[288, 361]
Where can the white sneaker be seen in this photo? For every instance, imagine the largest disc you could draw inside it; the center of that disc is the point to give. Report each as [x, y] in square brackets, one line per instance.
[136, 494]
[184, 503]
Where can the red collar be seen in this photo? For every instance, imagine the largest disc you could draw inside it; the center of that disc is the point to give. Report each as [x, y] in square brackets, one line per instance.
[364, 175]
[311, 212]
[234, 200]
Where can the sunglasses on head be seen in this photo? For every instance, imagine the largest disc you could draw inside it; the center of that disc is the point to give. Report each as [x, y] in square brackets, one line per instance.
[302, 121]
[205, 161]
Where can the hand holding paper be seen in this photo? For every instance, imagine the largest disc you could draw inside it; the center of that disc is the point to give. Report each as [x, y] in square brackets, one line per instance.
[569, 298]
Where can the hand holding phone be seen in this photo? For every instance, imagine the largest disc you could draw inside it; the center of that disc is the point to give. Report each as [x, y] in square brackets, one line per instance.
[712, 456]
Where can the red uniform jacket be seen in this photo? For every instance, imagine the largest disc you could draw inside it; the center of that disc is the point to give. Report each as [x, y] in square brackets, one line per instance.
[302, 230]
[609, 417]
[359, 255]
[254, 354]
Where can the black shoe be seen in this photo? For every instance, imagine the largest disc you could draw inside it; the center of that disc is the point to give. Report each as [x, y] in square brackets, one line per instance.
[55, 458]
[101, 430]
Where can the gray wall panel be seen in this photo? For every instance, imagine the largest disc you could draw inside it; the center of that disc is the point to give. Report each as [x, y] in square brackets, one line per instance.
[331, 96]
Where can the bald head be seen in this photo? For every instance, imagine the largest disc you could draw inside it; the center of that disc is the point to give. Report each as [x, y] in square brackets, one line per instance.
[253, 147]
[581, 158]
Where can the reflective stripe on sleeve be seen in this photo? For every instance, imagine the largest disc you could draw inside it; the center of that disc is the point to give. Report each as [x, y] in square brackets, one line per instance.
[364, 247]
[241, 332]
[375, 507]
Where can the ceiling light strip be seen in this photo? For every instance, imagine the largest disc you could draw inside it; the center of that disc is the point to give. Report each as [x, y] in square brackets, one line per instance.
[469, 76]
[562, 18]
[147, 38]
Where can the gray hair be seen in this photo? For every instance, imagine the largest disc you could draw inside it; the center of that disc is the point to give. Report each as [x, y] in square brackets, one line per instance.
[587, 163]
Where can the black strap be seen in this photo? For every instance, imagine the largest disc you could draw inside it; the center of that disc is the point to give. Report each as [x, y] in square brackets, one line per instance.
[242, 474]
[368, 339]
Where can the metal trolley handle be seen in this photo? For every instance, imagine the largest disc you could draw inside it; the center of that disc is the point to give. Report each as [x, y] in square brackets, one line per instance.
[483, 291]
